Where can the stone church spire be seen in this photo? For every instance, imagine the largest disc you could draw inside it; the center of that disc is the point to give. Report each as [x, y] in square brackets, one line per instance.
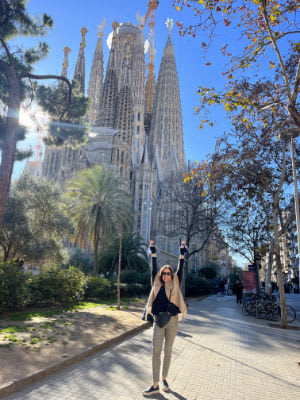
[166, 125]
[109, 95]
[79, 73]
[123, 120]
[96, 77]
[64, 70]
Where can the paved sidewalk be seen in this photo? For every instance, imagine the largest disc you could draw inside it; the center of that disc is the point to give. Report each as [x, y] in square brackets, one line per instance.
[218, 354]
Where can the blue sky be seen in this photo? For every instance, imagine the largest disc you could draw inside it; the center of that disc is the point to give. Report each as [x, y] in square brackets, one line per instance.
[69, 16]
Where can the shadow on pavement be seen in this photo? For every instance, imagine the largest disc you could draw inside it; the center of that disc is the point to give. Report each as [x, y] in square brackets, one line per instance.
[160, 396]
[242, 363]
[223, 314]
[182, 334]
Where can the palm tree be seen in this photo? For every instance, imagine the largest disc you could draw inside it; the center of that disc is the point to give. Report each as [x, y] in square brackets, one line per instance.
[93, 199]
[133, 254]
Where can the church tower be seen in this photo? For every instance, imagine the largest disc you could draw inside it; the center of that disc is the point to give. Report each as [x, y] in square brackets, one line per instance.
[109, 95]
[96, 77]
[79, 73]
[166, 134]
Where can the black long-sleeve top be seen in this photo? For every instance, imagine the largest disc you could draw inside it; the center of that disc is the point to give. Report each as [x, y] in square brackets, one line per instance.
[161, 302]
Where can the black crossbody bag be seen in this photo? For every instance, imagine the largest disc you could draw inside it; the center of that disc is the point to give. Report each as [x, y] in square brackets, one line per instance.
[164, 317]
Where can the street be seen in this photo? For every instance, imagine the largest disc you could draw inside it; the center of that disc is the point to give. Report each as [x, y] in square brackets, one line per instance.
[293, 300]
[218, 354]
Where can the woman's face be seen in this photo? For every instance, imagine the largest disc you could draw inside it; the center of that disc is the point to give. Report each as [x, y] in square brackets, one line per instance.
[166, 275]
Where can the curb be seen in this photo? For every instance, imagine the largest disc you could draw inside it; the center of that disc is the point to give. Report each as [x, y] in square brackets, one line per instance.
[20, 384]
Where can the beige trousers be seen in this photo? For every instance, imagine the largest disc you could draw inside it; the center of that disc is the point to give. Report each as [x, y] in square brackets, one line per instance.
[166, 334]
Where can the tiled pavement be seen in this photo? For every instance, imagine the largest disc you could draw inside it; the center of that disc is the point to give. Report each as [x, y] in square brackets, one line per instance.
[218, 354]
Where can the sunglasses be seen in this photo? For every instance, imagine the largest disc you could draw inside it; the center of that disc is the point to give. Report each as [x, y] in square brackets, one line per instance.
[166, 273]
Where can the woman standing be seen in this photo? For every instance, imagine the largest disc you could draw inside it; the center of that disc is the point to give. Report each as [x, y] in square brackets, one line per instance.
[165, 296]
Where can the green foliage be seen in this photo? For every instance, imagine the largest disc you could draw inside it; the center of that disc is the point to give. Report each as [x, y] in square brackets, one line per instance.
[133, 276]
[99, 288]
[208, 272]
[96, 204]
[195, 285]
[80, 260]
[66, 123]
[132, 289]
[134, 256]
[15, 20]
[13, 290]
[137, 282]
[17, 83]
[34, 223]
[102, 288]
[56, 286]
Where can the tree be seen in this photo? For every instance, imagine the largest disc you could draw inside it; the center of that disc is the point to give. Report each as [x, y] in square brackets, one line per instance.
[17, 84]
[188, 210]
[64, 127]
[268, 30]
[34, 224]
[134, 256]
[93, 199]
[208, 272]
[249, 176]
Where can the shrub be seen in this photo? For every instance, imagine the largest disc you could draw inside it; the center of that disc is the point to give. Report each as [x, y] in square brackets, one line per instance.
[196, 285]
[99, 288]
[81, 261]
[131, 289]
[208, 272]
[56, 286]
[13, 288]
[132, 276]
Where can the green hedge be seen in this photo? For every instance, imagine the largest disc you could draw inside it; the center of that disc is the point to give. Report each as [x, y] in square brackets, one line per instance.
[132, 276]
[195, 285]
[98, 288]
[13, 286]
[102, 288]
[55, 286]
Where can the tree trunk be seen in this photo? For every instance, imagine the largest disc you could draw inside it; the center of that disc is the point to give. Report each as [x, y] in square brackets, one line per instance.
[119, 273]
[256, 273]
[279, 274]
[269, 271]
[96, 243]
[9, 143]
[185, 266]
[276, 241]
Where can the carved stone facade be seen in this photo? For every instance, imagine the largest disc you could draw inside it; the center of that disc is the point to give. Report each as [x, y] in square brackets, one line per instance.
[137, 132]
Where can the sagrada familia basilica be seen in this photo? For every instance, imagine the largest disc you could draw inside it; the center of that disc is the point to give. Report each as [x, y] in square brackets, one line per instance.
[136, 121]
